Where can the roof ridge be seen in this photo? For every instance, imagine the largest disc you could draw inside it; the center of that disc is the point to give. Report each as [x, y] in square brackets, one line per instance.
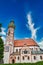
[23, 39]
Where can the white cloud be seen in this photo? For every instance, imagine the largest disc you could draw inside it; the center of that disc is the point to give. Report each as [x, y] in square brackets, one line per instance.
[3, 31]
[30, 26]
[3, 34]
[41, 43]
[3, 39]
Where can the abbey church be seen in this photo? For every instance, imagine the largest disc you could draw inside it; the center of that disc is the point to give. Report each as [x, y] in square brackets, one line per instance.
[20, 51]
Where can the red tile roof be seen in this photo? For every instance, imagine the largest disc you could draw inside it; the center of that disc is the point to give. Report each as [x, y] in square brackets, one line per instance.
[28, 42]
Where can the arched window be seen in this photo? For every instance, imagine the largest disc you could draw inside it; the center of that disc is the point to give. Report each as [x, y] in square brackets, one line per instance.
[25, 51]
[13, 61]
[41, 57]
[18, 57]
[23, 57]
[34, 57]
[28, 57]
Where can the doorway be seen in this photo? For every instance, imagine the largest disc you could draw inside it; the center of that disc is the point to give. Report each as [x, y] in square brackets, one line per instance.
[13, 61]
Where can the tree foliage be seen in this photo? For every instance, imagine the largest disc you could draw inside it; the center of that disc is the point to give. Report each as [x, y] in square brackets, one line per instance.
[1, 48]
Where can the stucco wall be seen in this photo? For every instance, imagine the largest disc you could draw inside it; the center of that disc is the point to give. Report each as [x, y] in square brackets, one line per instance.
[6, 57]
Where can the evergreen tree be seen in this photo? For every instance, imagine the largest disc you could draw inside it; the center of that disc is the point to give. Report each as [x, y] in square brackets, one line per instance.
[1, 47]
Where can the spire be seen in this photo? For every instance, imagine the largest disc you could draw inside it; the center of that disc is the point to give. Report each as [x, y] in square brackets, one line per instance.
[11, 24]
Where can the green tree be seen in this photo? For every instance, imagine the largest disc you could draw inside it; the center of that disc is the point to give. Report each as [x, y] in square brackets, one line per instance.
[1, 50]
[1, 47]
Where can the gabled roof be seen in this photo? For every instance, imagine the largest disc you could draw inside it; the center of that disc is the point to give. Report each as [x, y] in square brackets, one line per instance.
[27, 42]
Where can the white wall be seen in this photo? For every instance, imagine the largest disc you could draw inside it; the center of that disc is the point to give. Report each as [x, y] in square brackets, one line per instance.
[34, 48]
[17, 61]
[25, 58]
[6, 57]
[37, 58]
[31, 58]
[17, 48]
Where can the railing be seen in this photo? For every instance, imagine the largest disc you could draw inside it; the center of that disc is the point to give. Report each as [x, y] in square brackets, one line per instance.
[36, 52]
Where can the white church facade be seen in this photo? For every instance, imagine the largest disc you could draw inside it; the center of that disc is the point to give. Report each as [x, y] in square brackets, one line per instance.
[20, 51]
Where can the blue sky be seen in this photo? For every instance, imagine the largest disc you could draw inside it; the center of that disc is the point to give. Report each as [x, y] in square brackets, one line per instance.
[22, 11]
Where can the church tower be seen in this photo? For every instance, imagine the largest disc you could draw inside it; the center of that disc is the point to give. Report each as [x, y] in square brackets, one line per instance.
[9, 46]
[10, 35]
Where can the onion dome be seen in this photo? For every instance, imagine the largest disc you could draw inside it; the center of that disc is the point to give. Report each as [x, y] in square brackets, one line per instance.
[11, 24]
